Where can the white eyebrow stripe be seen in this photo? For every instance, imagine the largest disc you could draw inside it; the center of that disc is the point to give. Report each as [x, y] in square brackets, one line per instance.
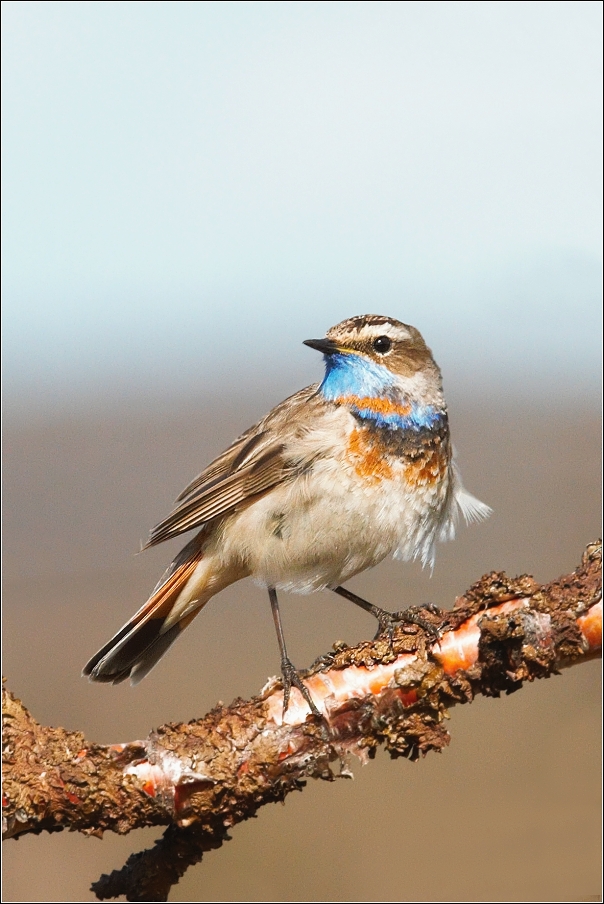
[372, 331]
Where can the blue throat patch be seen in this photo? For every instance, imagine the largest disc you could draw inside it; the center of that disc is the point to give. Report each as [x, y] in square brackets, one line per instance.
[347, 375]
[356, 375]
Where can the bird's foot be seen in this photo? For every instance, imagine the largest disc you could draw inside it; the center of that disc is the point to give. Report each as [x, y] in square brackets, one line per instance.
[322, 662]
[291, 676]
[388, 621]
[326, 660]
[412, 616]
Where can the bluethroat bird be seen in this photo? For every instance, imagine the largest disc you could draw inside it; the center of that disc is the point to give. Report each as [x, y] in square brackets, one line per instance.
[333, 480]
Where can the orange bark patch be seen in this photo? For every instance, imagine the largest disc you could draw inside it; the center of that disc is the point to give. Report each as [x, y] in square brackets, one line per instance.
[458, 650]
[330, 689]
[408, 698]
[591, 626]
[367, 461]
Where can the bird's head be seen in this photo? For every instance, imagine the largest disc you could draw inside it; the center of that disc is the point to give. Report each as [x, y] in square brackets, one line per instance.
[372, 354]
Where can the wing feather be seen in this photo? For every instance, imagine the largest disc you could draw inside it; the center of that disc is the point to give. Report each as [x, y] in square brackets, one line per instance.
[230, 460]
[222, 496]
[254, 463]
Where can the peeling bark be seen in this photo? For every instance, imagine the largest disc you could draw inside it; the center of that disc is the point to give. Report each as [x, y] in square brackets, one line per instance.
[203, 777]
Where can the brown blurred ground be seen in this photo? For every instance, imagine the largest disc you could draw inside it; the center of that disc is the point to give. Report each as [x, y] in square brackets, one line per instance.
[510, 812]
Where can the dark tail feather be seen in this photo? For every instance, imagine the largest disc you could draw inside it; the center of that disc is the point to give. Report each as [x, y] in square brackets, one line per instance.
[158, 647]
[140, 644]
[131, 656]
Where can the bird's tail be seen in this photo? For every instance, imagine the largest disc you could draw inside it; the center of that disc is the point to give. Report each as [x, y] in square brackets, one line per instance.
[139, 645]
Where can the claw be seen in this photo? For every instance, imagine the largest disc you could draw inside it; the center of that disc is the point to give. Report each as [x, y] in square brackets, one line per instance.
[322, 662]
[288, 670]
[291, 676]
[411, 617]
[386, 625]
[387, 621]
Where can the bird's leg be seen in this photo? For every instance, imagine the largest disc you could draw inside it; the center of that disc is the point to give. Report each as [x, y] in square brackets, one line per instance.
[388, 620]
[288, 670]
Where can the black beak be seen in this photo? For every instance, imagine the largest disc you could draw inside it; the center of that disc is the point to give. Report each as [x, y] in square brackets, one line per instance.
[326, 346]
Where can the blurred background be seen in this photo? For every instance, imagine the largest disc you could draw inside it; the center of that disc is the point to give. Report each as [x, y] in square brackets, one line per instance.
[192, 189]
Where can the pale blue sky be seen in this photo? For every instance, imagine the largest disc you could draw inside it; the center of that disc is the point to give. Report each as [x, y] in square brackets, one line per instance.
[192, 189]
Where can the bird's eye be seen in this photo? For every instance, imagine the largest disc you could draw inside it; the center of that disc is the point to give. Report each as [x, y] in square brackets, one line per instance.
[382, 344]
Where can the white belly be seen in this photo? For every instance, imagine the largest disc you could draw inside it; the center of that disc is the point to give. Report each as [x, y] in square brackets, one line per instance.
[327, 526]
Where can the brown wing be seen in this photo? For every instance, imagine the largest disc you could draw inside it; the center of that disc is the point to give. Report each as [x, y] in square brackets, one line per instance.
[255, 462]
[226, 463]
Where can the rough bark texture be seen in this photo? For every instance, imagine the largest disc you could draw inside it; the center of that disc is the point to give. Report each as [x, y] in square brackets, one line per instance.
[203, 777]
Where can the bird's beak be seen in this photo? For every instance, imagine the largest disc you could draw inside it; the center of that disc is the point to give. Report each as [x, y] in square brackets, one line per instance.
[326, 346]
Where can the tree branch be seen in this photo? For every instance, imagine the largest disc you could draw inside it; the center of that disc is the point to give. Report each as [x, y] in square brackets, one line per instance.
[203, 777]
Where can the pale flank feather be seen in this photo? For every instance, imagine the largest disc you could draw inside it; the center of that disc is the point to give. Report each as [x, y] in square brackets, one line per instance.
[472, 508]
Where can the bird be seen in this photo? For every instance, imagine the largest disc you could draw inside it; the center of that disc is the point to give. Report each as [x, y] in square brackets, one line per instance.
[330, 482]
